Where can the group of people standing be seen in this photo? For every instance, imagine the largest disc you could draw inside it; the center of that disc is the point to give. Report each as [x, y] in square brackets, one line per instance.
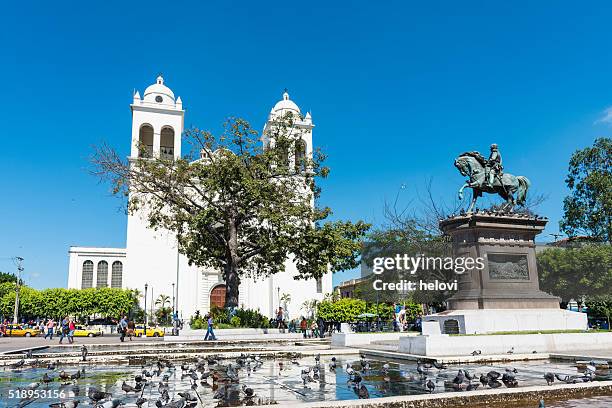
[67, 328]
[126, 327]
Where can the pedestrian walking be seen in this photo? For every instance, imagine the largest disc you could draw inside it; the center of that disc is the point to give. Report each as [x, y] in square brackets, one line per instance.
[64, 329]
[71, 329]
[210, 331]
[130, 329]
[122, 328]
[50, 328]
[304, 326]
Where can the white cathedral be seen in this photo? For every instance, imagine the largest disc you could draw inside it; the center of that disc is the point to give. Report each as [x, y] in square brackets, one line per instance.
[151, 258]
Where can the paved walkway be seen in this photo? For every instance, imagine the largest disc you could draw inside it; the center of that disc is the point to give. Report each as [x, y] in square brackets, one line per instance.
[24, 343]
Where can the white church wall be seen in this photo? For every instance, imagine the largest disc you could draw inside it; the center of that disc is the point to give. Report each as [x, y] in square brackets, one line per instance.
[151, 257]
[79, 255]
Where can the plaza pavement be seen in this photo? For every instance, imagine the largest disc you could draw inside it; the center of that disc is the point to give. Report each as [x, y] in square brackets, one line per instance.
[23, 343]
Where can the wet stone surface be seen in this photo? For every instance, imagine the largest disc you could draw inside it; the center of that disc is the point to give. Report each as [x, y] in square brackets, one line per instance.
[273, 381]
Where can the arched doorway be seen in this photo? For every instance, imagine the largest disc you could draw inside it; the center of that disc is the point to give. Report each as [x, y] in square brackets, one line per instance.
[217, 296]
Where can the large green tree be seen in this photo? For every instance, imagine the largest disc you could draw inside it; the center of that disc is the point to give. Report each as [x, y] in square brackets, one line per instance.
[576, 272]
[239, 205]
[588, 209]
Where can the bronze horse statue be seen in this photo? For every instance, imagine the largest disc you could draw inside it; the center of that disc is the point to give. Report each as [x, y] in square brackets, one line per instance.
[473, 165]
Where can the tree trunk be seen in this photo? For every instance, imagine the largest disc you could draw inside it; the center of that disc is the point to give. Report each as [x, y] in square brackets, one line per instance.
[232, 279]
[232, 282]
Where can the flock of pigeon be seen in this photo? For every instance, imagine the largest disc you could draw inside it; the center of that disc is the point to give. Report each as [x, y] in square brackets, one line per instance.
[222, 381]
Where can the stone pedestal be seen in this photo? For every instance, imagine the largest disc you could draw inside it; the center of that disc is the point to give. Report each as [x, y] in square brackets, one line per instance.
[509, 279]
[504, 295]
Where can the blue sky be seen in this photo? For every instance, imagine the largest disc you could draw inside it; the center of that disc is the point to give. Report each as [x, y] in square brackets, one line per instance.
[396, 90]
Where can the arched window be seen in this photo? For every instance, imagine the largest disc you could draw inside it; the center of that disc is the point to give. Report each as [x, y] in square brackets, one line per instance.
[300, 155]
[102, 279]
[87, 275]
[167, 143]
[146, 141]
[117, 274]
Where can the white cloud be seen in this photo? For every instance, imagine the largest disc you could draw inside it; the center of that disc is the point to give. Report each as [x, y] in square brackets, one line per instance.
[606, 116]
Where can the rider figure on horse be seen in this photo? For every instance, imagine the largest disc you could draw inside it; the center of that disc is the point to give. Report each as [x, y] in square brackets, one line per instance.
[494, 165]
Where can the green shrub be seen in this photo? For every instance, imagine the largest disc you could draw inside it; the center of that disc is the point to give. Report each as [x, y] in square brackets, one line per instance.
[220, 314]
[347, 310]
[235, 321]
[252, 318]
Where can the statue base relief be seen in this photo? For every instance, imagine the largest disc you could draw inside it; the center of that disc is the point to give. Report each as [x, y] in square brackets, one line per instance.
[503, 295]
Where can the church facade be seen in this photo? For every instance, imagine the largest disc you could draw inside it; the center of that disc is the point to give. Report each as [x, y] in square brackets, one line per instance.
[151, 257]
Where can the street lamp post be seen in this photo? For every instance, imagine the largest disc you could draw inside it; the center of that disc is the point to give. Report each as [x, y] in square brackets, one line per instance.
[151, 302]
[174, 318]
[17, 288]
[145, 309]
[173, 304]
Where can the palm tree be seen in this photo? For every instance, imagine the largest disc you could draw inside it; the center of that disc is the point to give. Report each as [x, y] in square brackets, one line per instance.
[163, 301]
[285, 300]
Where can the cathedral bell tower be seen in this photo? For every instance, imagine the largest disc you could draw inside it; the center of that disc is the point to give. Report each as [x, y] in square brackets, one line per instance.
[157, 122]
[302, 127]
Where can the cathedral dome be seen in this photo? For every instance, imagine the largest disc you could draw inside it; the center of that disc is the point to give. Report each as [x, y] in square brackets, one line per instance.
[158, 92]
[285, 105]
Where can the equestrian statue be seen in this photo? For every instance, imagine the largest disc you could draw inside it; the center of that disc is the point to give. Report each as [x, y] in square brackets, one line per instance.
[487, 176]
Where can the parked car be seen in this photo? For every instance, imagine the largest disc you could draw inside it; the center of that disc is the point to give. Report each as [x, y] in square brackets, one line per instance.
[151, 331]
[15, 330]
[80, 331]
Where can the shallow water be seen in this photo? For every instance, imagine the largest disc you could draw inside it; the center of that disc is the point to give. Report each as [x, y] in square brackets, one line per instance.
[275, 381]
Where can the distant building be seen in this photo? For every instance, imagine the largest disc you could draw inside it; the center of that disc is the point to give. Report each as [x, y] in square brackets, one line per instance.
[347, 289]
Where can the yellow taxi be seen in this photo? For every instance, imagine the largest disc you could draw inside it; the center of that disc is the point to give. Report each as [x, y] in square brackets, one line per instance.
[80, 331]
[19, 331]
[151, 331]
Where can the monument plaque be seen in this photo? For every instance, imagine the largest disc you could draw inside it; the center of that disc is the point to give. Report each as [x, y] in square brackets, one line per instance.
[508, 266]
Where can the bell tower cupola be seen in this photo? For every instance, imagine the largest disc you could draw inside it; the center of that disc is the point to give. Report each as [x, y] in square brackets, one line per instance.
[157, 122]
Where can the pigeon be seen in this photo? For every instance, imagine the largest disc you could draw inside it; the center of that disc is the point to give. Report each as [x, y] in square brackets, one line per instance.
[112, 404]
[590, 368]
[51, 366]
[97, 395]
[357, 378]
[459, 378]
[188, 396]
[511, 370]
[127, 388]
[439, 366]
[363, 392]
[494, 383]
[484, 380]
[476, 352]
[493, 375]
[511, 351]
[430, 385]
[305, 375]
[140, 401]
[64, 376]
[29, 354]
[349, 370]
[84, 352]
[248, 391]
[46, 379]
[18, 364]
[385, 368]
[332, 364]
[550, 378]
[472, 386]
